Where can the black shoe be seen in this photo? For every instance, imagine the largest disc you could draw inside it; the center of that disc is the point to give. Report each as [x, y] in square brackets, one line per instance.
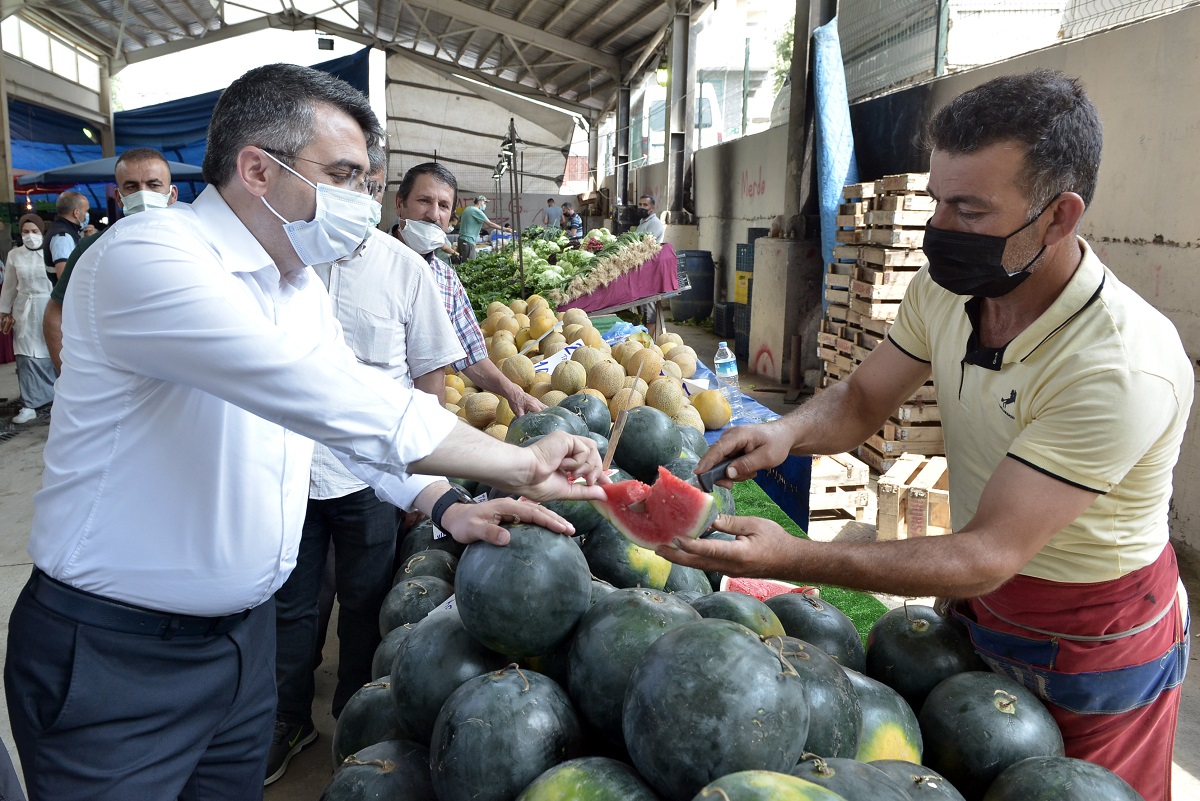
[289, 739]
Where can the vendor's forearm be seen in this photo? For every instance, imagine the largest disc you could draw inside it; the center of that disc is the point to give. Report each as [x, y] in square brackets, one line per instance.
[486, 375]
[830, 422]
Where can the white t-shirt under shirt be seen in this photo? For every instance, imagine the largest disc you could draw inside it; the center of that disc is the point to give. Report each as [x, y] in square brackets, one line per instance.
[195, 379]
[393, 319]
[1096, 392]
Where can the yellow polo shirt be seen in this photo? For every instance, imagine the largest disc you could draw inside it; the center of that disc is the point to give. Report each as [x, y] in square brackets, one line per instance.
[1096, 393]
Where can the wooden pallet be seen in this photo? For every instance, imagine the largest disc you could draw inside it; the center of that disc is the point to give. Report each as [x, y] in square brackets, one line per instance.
[839, 487]
[914, 498]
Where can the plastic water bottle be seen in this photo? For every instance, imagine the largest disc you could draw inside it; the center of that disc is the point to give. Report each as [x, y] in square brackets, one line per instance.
[725, 366]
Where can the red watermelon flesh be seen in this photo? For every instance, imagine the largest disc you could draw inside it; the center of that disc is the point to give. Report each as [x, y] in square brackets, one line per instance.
[651, 516]
[762, 589]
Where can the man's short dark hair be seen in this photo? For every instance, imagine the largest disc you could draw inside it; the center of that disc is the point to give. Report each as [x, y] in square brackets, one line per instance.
[138, 154]
[276, 107]
[550, 200]
[567, 205]
[653, 200]
[439, 173]
[1047, 112]
[68, 202]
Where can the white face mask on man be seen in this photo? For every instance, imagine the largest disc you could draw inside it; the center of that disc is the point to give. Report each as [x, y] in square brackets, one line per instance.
[423, 237]
[144, 199]
[338, 228]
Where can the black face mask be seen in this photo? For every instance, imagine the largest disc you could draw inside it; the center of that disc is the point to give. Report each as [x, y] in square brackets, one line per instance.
[643, 214]
[973, 264]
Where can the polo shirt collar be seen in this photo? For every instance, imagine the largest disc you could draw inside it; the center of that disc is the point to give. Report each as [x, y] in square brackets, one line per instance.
[1083, 288]
[240, 251]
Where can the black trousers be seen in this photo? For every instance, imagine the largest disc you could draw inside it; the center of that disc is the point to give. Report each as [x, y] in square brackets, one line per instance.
[106, 715]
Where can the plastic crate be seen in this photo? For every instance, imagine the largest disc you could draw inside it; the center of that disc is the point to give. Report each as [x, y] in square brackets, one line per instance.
[745, 258]
[723, 319]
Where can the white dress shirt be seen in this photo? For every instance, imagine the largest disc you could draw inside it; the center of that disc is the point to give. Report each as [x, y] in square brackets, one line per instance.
[653, 225]
[393, 319]
[195, 379]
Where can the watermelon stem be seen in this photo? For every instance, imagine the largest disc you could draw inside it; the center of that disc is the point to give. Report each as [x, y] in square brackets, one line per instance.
[1007, 703]
[384, 765]
[718, 791]
[917, 625]
[779, 652]
[517, 668]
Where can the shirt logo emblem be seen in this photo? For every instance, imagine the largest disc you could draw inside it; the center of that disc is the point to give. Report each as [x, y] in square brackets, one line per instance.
[1009, 401]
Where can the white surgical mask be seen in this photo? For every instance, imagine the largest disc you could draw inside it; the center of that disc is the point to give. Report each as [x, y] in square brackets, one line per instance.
[376, 212]
[32, 241]
[142, 200]
[423, 237]
[338, 229]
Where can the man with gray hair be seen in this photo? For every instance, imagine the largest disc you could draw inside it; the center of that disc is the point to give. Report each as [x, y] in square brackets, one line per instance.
[64, 233]
[201, 360]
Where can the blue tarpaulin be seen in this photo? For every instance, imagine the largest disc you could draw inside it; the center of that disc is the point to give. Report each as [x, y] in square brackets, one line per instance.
[835, 140]
[43, 139]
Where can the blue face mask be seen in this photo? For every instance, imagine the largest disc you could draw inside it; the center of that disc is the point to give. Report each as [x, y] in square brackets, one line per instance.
[86, 216]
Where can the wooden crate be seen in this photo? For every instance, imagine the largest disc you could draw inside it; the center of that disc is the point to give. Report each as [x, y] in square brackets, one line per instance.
[914, 498]
[903, 182]
[839, 487]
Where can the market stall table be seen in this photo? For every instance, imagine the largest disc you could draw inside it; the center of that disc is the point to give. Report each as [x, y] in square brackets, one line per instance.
[654, 281]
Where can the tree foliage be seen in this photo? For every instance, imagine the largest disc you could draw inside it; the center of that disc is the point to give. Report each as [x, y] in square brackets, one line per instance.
[783, 54]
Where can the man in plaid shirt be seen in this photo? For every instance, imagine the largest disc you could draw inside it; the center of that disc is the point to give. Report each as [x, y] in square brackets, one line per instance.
[424, 202]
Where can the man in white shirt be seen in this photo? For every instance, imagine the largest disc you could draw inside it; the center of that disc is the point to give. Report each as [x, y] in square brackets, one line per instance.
[201, 360]
[648, 214]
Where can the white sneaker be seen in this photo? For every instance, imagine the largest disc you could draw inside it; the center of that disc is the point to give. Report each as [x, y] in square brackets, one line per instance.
[24, 416]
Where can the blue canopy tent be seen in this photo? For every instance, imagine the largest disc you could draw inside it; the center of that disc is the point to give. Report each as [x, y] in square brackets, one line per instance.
[44, 139]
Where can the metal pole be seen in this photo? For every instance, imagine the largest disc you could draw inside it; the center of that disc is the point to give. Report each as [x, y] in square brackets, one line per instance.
[746, 90]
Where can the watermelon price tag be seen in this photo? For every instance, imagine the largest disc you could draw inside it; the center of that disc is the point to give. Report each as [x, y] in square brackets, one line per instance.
[438, 533]
[480, 498]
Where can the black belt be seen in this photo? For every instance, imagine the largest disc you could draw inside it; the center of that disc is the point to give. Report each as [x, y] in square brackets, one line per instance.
[93, 610]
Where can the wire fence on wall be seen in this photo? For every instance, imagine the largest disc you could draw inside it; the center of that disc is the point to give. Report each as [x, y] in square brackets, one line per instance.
[887, 44]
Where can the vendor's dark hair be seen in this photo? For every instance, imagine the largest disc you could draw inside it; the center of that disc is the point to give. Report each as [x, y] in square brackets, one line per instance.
[142, 154]
[1046, 111]
[427, 168]
[276, 108]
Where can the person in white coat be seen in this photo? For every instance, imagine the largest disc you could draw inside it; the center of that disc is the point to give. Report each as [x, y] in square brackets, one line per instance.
[23, 299]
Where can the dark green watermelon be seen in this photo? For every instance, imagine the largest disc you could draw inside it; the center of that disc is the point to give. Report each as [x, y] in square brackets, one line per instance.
[499, 732]
[601, 443]
[725, 503]
[385, 652]
[764, 785]
[721, 698]
[889, 727]
[649, 440]
[431, 663]
[688, 579]
[423, 537]
[581, 514]
[693, 439]
[538, 424]
[1059, 779]
[851, 779]
[593, 411]
[591, 778]
[575, 422]
[687, 596]
[682, 467]
[611, 638]
[976, 724]
[436, 563]
[523, 598]
[600, 589]
[391, 769]
[912, 648]
[369, 717]
[618, 561]
[822, 624]
[410, 600]
[750, 612]
[920, 782]
[834, 715]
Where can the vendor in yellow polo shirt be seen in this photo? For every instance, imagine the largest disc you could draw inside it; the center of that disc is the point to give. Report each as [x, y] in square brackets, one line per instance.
[1064, 397]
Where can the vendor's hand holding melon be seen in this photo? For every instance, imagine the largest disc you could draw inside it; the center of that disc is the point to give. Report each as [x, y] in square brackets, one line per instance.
[758, 550]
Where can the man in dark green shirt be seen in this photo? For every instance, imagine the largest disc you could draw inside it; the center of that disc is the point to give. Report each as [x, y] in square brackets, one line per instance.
[143, 180]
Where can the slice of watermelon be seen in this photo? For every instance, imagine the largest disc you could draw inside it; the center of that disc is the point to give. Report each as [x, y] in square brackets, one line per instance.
[651, 516]
[762, 589]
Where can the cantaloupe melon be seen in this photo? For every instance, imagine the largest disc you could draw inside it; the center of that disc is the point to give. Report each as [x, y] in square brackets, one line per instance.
[569, 377]
[481, 409]
[606, 377]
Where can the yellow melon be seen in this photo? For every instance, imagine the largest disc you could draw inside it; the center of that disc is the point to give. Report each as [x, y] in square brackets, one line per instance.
[569, 377]
[518, 369]
[522, 339]
[462, 414]
[713, 408]
[452, 407]
[656, 349]
[519, 306]
[688, 416]
[553, 397]
[453, 395]
[498, 431]
[504, 335]
[539, 326]
[667, 348]
[645, 364]
[540, 388]
[541, 377]
[591, 337]
[466, 380]
[588, 357]
[497, 307]
[624, 350]
[606, 378]
[576, 317]
[533, 301]
[481, 409]
[455, 381]
[635, 383]
[665, 395]
[572, 332]
[624, 400]
[504, 413]
[663, 339]
[686, 361]
[541, 311]
[522, 320]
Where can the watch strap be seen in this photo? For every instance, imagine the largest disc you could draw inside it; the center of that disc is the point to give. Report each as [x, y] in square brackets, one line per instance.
[450, 497]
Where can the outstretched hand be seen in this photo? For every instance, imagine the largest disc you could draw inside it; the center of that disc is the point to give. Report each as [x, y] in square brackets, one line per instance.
[763, 549]
[485, 522]
[757, 447]
[557, 460]
[521, 402]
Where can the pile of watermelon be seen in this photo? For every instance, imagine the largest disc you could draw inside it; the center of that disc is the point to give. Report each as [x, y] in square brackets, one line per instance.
[587, 667]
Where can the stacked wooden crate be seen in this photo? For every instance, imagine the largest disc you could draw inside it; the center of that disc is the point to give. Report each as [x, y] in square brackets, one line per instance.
[881, 226]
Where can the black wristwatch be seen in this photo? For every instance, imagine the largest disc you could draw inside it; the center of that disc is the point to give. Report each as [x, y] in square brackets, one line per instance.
[456, 494]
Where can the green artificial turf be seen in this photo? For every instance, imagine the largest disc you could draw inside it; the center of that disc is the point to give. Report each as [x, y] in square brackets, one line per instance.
[862, 608]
